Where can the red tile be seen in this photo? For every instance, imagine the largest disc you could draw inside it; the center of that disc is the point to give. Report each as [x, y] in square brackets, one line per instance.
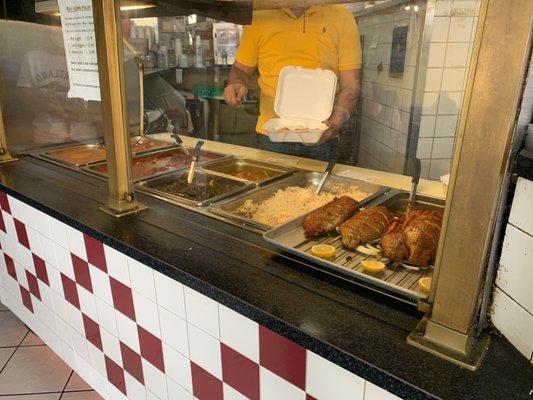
[122, 298]
[10, 266]
[282, 357]
[81, 272]
[115, 374]
[132, 362]
[151, 348]
[4, 203]
[2, 224]
[204, 385]
[92, 332]
[40, 269]
[26, 298]
[33, 285]
[95, 252]
[309, 397]
[70, 291]
[22, 235]
[239, 372]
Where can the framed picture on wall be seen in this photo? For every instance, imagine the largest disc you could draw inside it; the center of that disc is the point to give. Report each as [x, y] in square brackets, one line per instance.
[398, 51]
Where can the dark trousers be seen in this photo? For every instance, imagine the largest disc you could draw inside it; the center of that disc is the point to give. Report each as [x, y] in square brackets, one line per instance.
[323, 151]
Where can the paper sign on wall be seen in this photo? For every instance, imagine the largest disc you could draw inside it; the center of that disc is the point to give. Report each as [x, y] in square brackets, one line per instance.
[80, 48]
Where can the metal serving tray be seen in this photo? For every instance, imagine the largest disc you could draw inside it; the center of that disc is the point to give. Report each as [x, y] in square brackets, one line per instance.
[157, 144]
[395, 280]
[54, 154]
[151, 186]
[228, 166]
[228, 208]
[96, 168]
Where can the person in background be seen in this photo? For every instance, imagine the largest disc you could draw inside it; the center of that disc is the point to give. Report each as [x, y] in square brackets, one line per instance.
[325, 37]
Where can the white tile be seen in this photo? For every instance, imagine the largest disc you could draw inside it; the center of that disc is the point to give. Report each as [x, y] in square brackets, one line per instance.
[513, 321]
[151, 396]
[239, 333]
[176, 392]
[58, 233]
[453, 79]
[96, 359]
[232, 394]
[272, 387]
[106, 316]
[433, 79]
[440, 29]
[174, 331]
[10, 225]
[84, 369]
[443, 8]
[461, 29]
[75, 319]
[202, 312]
[437, 54]
[115, 393]
[427, 126]
[522, 209]
[64, 261]
[146, 313]
[80, 345]
[169, 294]
[15, 206]
[117, 265]
[430, 103]
[76, 244]
[442, 148]
[177, 367]
[127, 332]
[154, 380]
[101, 386]
[49, 253]
[515, 273]
[450, 103]
[34, 238]
[87, 303]
[205, 351]
[457, 55]
[439, 168]
[325, 380]
[111, 346]
[42, 224]
[446, 125]
[101, 284]
[424, 147]
[64, 331]
[373, 392]
[142, 279]
[135, 389]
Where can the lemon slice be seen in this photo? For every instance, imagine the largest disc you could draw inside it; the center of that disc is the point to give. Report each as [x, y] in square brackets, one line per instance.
[373, 266]
[323, 251]
[425, 283]
[367, 251]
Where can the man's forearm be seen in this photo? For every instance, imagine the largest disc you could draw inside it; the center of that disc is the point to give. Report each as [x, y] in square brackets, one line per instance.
[350, 92]
[237, 75]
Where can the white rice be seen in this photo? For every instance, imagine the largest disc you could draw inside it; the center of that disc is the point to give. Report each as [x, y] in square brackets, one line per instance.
[292, 202]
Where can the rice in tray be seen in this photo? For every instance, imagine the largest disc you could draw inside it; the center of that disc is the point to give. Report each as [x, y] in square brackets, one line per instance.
[292, 202]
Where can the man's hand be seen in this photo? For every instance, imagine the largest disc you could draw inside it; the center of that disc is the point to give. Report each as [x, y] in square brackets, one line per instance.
[234, 93]
[335, 123]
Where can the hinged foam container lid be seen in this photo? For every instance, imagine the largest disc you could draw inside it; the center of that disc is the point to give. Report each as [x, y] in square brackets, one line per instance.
[306, 94]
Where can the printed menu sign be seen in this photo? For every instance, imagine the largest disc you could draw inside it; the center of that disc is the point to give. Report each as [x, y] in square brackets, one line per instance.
[80, 48]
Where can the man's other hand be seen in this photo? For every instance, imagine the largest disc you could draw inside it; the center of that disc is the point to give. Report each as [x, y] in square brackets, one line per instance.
[234, 93]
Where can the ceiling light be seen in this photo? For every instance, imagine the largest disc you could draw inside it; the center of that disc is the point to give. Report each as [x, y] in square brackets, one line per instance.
[136, 7]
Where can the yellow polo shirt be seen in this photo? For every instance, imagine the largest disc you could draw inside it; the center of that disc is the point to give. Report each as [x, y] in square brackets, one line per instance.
[326, 37]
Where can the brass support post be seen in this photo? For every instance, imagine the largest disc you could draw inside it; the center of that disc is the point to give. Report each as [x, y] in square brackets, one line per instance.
[5, 156]
[490, 110]
[108, 33]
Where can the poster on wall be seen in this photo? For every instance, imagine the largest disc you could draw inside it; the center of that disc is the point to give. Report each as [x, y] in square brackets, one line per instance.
[398, 51]
[80, 48]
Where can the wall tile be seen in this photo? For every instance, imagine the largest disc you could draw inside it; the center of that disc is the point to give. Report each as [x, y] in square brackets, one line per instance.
[326, 380]
[146, 313]
[461, 29]
[437, 55]
[453, 79]
[450, 103]
[117, 265]
[440, 29]
[439, 168]
[513, 321]
[142, 279]
[442, 148]
[430, 103]
[457, 55]
[127, 332]
[443, 8]
[446, 125]
[177, 367]
[76, 244]
[239, 333]
[155, 380]
[433, 79]
[274, 388]
[515, 273]
[169, 294]
[424, 147]
[205, 351]
[202, 312]
[522, 209]
[111, 346]
[135, 390]
[174, 331]
[373, 392]
[177, 392]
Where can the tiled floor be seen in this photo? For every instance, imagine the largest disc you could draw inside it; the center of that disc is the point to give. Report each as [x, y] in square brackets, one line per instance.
[29, 370]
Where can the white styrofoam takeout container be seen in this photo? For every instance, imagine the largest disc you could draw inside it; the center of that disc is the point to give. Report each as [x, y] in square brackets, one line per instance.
[303, 96]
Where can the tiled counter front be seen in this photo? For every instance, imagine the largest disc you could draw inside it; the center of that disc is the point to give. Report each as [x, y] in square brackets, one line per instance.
[134, 333]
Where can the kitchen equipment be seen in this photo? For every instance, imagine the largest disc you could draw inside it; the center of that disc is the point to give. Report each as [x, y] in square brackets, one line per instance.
[327, 173]
[304, 99]
[235, 166]
[195, 156]
[395, 280]
[228, 209]
[205, 189]
[417, 165]
[179, 142]
[76, 155]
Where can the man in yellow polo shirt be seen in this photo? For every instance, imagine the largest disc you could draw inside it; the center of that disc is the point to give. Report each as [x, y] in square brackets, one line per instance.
[323, 36]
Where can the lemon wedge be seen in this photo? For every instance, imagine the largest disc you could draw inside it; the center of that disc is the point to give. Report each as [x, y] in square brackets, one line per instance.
[373, 266]
[425, 283]
[323, 251]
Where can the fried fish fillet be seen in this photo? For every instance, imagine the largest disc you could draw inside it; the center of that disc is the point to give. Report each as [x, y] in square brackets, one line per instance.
[365, 226]
[326, 218]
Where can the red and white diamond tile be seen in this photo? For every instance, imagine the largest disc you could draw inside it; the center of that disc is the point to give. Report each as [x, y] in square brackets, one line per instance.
[136, 334]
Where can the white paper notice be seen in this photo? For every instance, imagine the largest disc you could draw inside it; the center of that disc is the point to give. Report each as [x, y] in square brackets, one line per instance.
[355, 175]
[80, 48]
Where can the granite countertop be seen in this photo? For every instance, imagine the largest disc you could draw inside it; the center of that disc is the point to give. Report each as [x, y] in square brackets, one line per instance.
[360, 330]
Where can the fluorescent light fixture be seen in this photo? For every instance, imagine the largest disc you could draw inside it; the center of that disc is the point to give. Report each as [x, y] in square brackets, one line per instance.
[136, 7]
